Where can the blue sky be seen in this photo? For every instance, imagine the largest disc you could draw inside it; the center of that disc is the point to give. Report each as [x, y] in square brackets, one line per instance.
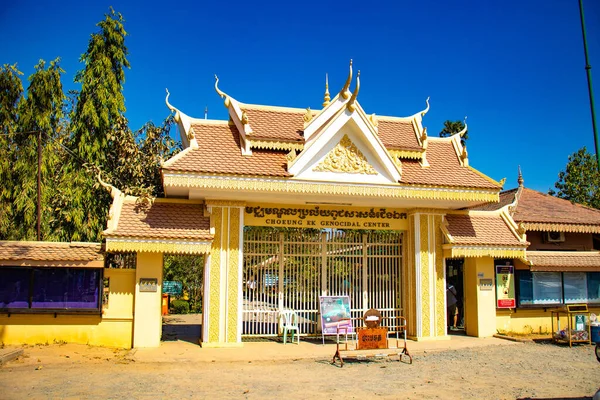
[514, 67]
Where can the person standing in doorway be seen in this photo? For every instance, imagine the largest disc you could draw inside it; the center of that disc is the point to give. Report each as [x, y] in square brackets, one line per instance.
[452, 305]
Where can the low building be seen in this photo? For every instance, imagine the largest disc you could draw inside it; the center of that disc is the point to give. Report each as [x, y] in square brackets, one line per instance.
[287, 205]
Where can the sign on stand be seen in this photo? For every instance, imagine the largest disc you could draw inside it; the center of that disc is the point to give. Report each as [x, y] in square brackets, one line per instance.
[335, 313]
[505, 286]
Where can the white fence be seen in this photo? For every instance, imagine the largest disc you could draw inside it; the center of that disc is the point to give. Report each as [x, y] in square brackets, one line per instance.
[291, 268]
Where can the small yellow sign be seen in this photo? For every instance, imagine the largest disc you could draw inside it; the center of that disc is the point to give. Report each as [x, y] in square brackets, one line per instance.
[318, 217]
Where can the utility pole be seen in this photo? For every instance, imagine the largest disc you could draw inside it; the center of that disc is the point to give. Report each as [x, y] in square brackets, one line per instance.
[39, 186]
[588, 69]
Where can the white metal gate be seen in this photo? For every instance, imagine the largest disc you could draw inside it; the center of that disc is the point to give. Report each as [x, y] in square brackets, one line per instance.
[291, 268]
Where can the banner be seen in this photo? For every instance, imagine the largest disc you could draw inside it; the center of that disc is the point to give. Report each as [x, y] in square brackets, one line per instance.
[325, 216]
[505, 286]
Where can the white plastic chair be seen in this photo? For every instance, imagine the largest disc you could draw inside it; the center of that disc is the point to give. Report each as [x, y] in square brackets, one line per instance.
[289, 322]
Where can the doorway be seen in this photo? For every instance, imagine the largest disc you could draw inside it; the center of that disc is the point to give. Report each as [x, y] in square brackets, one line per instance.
[455, 300]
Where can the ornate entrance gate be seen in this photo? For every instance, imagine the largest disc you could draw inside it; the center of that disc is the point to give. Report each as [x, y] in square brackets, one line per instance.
[291, 268]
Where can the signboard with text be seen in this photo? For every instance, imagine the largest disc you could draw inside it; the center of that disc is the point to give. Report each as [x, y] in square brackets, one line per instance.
[335, 312]
[505, 286]
[325, 216]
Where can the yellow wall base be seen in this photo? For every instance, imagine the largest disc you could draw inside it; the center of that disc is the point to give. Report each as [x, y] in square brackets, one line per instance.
[81, 329]
[533, 321]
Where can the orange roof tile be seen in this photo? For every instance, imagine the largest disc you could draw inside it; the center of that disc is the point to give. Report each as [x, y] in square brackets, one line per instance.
[50, 251]
[506, 197]
[398, 134]
[281, 124]
[287, 124]
[534, 206]
[163, 220]
[564, 260]
[444, 169]
[219, 152]
[482, 230]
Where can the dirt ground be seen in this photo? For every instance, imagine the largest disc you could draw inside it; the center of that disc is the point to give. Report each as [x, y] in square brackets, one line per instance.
[522, 370]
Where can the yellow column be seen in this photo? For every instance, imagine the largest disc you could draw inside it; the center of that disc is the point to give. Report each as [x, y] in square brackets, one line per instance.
[147, 319]
[424, 275]
[480, 305]
[223, 276]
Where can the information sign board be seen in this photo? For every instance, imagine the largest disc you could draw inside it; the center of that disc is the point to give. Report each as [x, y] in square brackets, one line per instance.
[335, 312]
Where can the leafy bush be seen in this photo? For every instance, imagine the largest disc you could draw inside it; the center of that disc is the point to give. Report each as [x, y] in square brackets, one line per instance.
[181, 307]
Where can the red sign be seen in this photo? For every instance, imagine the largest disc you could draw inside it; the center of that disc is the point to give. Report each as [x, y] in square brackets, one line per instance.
[506, 303]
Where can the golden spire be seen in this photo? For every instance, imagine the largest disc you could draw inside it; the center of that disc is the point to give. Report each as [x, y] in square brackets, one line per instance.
[351, 104]
[221, 93]
[346, 89]
[520, 180]
[327, 97]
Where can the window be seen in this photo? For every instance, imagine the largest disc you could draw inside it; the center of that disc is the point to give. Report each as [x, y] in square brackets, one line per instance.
[553, 288]
[51, 289]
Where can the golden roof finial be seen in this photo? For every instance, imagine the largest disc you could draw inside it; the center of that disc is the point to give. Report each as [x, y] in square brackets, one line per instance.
[327, 98]
[346, 89]
[464, 130]
[352, 103]
[173, 109]
[221, 93]
[520, 180]
[426, 109]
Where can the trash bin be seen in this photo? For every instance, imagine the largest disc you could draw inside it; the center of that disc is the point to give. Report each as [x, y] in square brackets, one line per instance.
[595, 331]
[165, 304]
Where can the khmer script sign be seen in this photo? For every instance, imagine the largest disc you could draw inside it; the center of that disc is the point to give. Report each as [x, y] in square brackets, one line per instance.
[318, 217]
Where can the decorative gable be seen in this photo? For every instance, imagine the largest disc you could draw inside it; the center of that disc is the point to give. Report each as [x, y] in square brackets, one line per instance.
[346, 157]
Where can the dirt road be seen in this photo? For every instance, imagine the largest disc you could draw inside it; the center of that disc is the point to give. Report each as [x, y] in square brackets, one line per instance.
[491, 372]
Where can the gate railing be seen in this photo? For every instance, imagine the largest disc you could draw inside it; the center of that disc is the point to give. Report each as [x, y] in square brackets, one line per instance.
[291, 268]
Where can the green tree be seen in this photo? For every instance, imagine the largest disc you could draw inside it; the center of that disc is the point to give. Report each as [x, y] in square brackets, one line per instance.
[41, 111]
[452, 127]
[11, 92]
[580, 181]
[189, 270]
[96, 122]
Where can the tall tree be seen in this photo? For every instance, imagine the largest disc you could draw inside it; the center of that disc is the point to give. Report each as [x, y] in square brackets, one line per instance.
[98, 115]
[101, 102]
[11, 91]
[580, 181]
[452, 127]
[40, 117]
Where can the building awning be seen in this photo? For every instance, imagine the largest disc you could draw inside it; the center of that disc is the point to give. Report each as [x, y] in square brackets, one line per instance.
[482, 234]
[161, 226]
[51, 254]
[564, 261]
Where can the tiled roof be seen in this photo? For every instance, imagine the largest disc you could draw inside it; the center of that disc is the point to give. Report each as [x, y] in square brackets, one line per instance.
[49, 251]
[398, 134]
[163, 220]
[481, 230]
[287, 124]
[219, 152]
[280, 124]
[534, 206]
[564, 260]
[444, 169]
[506, 197]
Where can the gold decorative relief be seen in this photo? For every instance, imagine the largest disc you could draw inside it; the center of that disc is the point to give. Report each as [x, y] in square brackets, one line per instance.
[424, 258]
[244, 118]
[308, 115]
[234, 286]
[346, 157]
[215, 277]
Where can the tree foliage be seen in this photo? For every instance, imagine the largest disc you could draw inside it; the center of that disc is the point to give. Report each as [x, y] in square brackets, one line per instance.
[189, 270]
[580, 181]
[83, 134]
[452, 127]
